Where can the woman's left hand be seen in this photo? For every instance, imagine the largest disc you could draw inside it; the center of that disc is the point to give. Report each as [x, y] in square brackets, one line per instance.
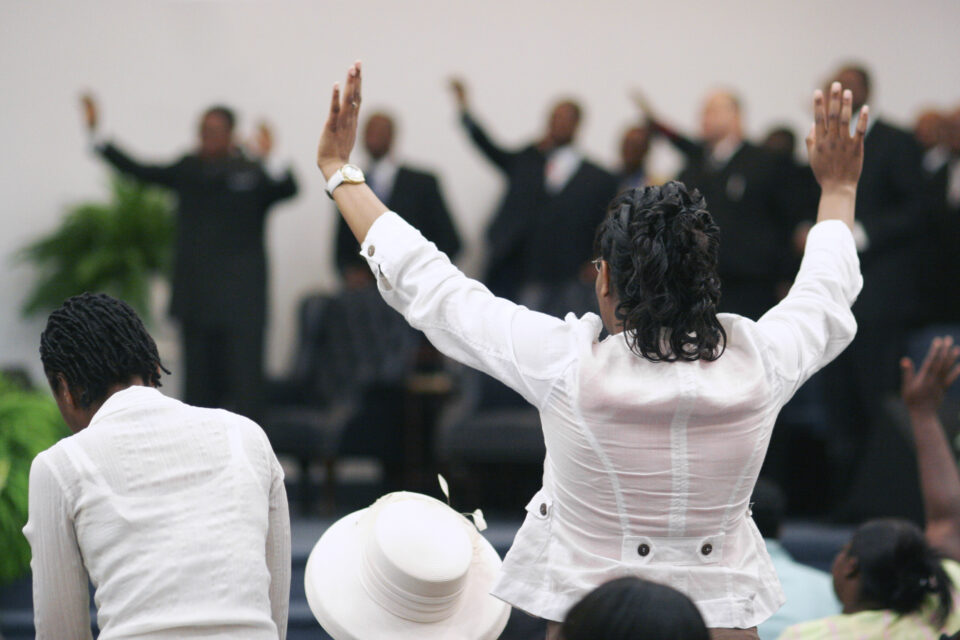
[340, 132]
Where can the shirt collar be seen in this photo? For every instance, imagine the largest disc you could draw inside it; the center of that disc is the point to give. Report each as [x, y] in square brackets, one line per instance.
[132, 396]
[856, 118]
[725, 149]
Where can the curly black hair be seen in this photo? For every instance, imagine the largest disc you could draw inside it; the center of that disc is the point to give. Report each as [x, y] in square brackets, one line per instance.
[95, 342]
[662, 246]
[898, 568]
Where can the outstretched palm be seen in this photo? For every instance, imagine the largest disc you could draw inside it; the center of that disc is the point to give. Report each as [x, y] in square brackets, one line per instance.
[340, 131]
[836, 156]
[923, 390]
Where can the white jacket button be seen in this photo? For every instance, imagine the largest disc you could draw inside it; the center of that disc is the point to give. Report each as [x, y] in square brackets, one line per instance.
[644, 549]
[371, 250]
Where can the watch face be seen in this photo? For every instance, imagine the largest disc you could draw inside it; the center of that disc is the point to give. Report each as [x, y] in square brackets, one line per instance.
[351, 173]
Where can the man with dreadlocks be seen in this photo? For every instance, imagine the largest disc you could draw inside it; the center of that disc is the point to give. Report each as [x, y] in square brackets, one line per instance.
[176, 514]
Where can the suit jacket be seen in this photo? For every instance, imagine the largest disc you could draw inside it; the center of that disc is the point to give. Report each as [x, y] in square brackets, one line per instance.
[940, 253]
[536, 237]
[892, 208]
[749, 198]
[220, 266]
[416, 196]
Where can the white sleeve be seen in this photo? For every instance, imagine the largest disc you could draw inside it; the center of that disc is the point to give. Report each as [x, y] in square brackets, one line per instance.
[61, 598]
[814, 323]
[525, 350]
[278, 548]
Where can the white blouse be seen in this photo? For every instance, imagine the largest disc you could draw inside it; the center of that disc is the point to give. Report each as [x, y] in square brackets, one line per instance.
[177, 514]
[649, 466]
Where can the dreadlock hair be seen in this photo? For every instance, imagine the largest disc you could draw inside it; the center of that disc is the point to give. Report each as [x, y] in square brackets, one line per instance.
[95, 342]
[898, 568]
[662, 247]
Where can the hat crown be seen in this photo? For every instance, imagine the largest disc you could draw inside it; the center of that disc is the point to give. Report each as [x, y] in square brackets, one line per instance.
[416, 557]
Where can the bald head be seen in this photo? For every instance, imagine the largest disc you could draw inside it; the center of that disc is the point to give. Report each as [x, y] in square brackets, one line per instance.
[634, 147]
[563, 123]
[378, 135]
[929, 128]
[856, 78]
[721, 117]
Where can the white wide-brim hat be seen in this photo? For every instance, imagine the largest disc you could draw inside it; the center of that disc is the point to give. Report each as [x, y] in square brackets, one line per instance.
[408, 566]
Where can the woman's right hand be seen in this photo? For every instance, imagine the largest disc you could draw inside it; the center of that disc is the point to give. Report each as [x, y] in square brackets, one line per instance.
[340, 132]
[836, 156]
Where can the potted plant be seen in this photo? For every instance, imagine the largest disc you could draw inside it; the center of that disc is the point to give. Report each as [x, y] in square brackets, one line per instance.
[29, 423]
[117, 247]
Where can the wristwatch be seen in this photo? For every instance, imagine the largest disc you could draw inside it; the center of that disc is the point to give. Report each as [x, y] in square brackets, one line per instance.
[348, 173]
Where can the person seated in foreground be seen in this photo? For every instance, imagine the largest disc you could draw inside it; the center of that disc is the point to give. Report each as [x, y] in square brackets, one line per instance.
[655, 435]
[895, 581]
[176, 514]
[633, 609]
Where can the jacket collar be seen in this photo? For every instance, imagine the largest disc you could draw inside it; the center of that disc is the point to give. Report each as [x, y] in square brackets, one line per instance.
[132, 396]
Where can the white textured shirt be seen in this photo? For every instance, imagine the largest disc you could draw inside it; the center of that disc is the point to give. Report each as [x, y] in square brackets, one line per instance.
[649, 466]
[177, 514]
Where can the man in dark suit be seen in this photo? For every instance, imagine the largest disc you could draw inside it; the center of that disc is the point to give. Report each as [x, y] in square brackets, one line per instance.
[220, 267]
[634, 147]
[891, 216]
[542, 233]
[413, 194]
[747, 191]
[941, 264]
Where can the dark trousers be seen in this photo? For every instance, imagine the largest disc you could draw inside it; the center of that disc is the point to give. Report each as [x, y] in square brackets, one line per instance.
[223, 366]
[855, 387]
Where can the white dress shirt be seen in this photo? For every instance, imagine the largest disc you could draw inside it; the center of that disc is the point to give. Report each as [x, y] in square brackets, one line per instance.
[649, 466]
[562, 163]
[177, 514]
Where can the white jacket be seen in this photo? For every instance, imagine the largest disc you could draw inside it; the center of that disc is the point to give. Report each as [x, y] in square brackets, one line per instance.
[649, 466]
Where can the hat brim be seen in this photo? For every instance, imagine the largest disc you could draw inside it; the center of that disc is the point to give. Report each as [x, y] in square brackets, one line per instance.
[342, 607]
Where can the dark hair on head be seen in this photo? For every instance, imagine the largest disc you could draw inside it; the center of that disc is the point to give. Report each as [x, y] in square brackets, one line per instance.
[768, 506]
[95, 342]
[634, 609]
[662, 247]
[224, 112]
[573, 104]
[860, 70]
[388, 117]
[898, 568]
[780, 139]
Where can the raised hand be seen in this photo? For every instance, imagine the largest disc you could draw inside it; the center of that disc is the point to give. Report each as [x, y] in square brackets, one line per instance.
[340, 131]
[91, 114]
[836, 157]
[640, 100]
[262, 142]
[922, 391]
[459, 90]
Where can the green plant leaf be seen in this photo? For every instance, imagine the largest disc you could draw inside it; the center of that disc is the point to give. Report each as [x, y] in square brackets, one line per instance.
[29, 423]
[114, 247]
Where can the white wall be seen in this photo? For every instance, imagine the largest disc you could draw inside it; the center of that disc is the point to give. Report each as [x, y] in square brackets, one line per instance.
[155, 65]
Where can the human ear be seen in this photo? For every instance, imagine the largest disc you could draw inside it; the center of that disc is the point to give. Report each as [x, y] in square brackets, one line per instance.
[64, 392]
[604, 279]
